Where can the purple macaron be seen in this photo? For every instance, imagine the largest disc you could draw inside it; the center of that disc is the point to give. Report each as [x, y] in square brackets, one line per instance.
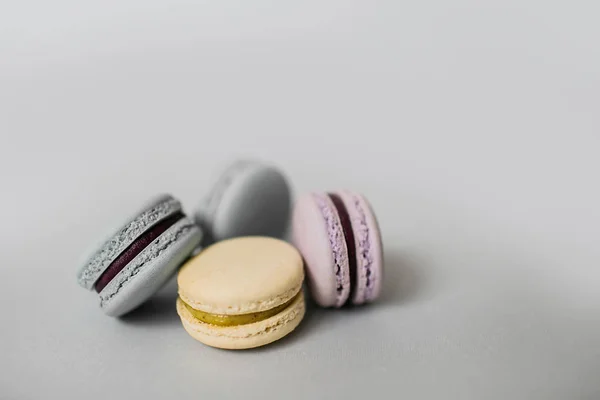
[338, 236]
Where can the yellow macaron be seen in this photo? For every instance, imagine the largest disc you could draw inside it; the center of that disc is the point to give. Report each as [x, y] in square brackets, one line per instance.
[242, 293]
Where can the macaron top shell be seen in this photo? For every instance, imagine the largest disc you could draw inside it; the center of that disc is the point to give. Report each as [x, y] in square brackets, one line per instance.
[319, 237]
[241, 275]
[250, 198]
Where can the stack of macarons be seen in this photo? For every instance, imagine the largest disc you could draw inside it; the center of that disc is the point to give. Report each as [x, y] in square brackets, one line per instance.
[240, 284]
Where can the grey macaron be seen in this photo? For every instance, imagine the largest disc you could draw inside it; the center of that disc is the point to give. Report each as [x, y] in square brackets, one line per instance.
[141, 256]
[249, 198]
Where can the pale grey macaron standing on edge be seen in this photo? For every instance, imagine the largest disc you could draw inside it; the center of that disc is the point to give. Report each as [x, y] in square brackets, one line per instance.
[141, 256]
[250, 198]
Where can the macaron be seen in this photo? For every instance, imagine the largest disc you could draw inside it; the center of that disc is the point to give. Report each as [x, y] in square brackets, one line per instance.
[339, 238]
[141, 256]
[242, 293]
[249, 198]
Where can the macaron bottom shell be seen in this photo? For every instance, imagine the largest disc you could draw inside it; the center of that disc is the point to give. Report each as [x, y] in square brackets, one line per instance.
[368, 248]
[150, 270]
[244, 336]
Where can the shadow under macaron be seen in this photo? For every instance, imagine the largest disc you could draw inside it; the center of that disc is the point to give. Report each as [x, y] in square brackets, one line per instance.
[405, 279]
[404, 282]
[158, 310]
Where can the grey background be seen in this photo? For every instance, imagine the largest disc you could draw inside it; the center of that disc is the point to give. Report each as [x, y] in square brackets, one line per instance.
[472, 126]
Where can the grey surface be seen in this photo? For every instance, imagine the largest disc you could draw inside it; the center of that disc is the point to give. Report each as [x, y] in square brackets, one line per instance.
[472, 126]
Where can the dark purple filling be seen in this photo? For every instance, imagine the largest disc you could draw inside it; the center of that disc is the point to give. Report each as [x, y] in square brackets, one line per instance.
[349, 238]
[134, 249]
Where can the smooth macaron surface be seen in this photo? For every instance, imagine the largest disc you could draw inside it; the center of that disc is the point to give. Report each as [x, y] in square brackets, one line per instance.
[339, 238]
[249, 198]
[139, 258]
[251, 285]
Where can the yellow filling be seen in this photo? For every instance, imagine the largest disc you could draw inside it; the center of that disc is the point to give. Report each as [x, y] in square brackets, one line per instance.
[232, 320]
